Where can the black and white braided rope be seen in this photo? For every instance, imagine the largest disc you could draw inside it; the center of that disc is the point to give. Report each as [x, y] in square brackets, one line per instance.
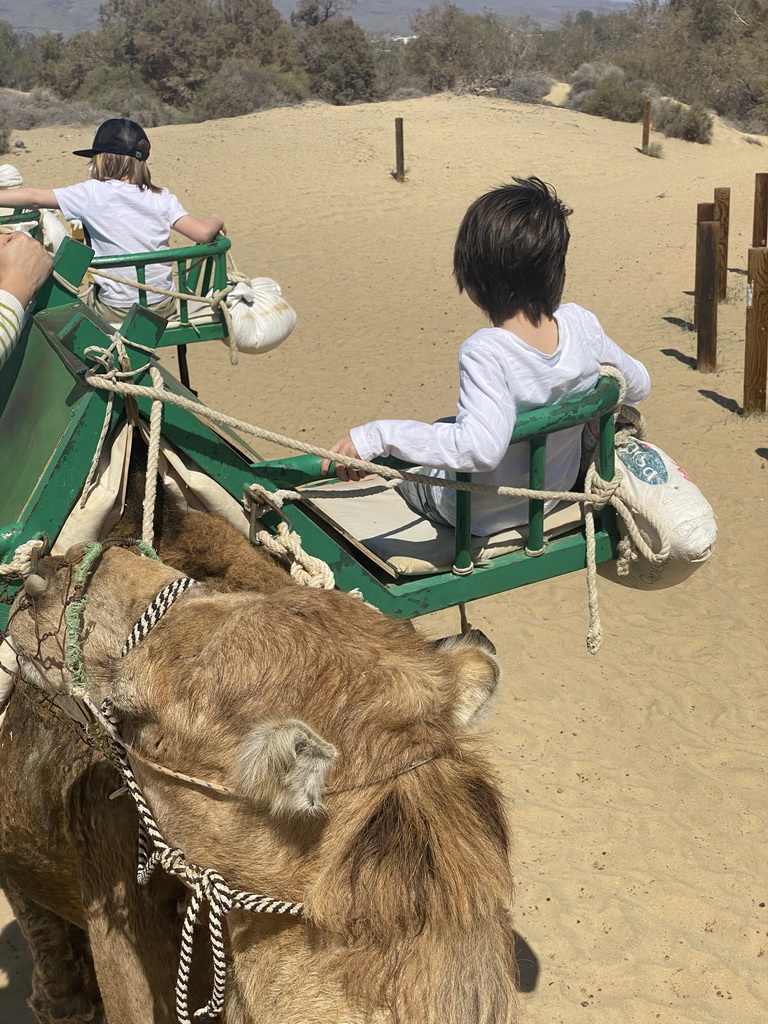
[156, 609]
[207, 885]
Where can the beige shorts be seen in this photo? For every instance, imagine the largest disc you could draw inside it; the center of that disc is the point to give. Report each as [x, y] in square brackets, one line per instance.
[116, 314]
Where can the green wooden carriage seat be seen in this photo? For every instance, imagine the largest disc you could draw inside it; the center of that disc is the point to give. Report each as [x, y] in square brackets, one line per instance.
[50, 423]
[50, 420]
[435, 567]
[198, 270]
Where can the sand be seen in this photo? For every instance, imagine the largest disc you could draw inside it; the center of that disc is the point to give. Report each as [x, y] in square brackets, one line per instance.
[634, 777]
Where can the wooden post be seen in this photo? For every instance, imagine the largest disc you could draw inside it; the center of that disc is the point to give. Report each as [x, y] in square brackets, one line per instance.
[706, 326]
[646, 124]
[399, 154]
[704, 212]
[760, 219]
[756, 351]
[722, 216]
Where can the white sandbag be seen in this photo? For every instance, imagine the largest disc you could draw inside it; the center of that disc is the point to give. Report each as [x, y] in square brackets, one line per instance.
[261, 318]
[10, 177]
[53, 230]
[661, 490]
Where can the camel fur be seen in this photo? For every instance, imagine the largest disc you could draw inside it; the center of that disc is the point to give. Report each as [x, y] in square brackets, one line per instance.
[312, 707]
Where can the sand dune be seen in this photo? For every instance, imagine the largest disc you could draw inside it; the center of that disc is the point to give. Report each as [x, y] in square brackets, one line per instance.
[635, 777]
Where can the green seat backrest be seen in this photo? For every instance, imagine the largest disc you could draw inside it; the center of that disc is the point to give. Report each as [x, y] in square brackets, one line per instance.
[200, 269]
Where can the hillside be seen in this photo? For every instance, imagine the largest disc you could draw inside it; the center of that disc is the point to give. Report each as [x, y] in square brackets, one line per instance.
[70, 16]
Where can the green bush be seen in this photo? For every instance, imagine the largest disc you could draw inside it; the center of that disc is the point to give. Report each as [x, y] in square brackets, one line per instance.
[122, 90]
[339, 61]
[615, 98]
[676, 121]
[242, 86]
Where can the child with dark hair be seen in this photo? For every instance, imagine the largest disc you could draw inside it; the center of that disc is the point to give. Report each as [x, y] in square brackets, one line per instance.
[123, 212]
[509, 258]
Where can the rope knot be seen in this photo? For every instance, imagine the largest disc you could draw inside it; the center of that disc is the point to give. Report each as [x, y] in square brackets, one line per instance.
[601, 491]
[216, 891]
[175, 863]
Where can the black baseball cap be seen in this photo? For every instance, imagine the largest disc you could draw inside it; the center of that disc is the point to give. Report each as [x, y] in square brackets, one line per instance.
[121, 136]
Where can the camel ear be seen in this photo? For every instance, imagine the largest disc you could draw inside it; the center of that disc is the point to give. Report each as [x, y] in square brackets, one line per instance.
[479, 674]
[284, 764]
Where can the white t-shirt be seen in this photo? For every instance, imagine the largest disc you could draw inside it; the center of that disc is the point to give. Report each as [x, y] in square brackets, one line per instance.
[121, 218]
[499, 377]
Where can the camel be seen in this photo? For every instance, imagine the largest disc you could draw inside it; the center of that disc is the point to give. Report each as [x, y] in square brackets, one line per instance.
[355, 784]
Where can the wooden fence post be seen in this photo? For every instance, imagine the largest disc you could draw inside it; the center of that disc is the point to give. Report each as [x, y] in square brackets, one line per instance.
[399, 152]
[760, 218]
[722, 216]
[756, 351]
[646, 124]
[706, 300]
[704, 212]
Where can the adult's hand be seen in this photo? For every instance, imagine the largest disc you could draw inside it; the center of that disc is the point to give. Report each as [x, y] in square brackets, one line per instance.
[24, 265]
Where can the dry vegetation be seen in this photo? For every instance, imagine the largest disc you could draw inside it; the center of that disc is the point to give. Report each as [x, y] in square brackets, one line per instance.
[160, 61]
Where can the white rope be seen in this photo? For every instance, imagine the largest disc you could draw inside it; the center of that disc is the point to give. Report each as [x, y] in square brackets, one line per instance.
[153, 459]
[23, 558]
[217, 300]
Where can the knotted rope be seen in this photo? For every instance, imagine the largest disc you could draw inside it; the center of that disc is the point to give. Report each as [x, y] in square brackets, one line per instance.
[23, 559]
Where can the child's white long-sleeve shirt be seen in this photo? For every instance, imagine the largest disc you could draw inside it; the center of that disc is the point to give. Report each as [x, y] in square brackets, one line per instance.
[501, 376]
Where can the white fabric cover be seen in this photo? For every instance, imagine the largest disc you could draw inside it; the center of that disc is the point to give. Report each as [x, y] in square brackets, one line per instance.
[10, 176]
[381, 522]
[261, 318]
[186, 486]
[658, 487]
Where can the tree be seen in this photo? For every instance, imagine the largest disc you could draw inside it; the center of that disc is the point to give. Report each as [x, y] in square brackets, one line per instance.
[453, 47]
[310, 13]
[339, 62]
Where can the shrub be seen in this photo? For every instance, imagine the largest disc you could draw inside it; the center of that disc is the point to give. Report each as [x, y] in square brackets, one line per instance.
[653, 149]
[5, 135]
[525, 86]
[122, 90]
[586, 78]
[676, 121]
[240, 87]
[39, 109]
[615, 98]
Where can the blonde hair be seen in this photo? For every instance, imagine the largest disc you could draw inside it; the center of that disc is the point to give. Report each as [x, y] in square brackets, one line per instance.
[107, 166]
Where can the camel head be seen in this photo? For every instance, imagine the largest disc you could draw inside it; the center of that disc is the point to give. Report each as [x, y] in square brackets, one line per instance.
[354, 784]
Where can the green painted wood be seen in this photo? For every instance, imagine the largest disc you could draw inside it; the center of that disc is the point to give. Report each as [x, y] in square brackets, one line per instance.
[462, 558]
[536, 481]
[408, 597]
[194, 262]
[71, 262]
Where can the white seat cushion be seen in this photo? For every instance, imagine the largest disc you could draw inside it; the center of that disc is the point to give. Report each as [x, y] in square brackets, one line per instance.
[378, 521]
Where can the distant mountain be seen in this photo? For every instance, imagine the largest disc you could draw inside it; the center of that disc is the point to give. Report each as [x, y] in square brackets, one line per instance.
[70, 16]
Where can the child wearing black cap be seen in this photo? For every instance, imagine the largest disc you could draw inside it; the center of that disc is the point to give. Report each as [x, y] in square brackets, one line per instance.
[123, 212]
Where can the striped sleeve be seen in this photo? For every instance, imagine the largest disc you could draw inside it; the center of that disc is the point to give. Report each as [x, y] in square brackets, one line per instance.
[11, 319]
